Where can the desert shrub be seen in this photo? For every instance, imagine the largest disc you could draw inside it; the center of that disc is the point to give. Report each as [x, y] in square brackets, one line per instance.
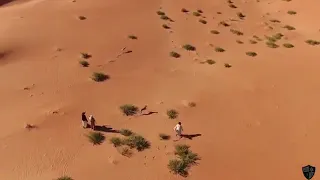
[126, 132]
[288, 45]
[181, 149]
[178, 167]
[64, 178]
[84, 63]
[95, 138]
[227, 65]
[236, 32]
[160, 13]
[174, 54]
[82, 17]
[290, 28]
[252, 54]
[240, 15]
[116, 141]
[219, 49]
[192, 104]
[312, 42]
[185, 154]
[214, 32]
[125, 151]
[257, 38]
[271, 39]
[189, 47]
[232, 6]
[199, 11]
[132, 37]
[184, 10]
[292, 12]
[239, 42]
[172, 114]
[129, 109]
[210, 61]
[223, 23]
[138, 142]
[271, 44]
[202, 21]
[164, 136]
[99, 77]
[275, 20]
[164, 17]
[277, 36]
[165, 26]
[252, 41]
[196, 14]
[85, 55]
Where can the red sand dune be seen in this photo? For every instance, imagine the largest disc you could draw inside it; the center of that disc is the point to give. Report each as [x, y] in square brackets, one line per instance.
[258, 119]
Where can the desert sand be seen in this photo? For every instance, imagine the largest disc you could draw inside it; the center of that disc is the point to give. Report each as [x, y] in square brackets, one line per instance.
[257, 115]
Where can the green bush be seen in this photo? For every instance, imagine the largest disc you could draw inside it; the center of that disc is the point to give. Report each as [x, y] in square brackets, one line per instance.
[189, 47]
[174, 54]
[99, 77]
[84, 63]
[252, 54]
[214, 32]
[126, 132]
[65, 178]
[312, 42]
[178, 167]
[138, 142]
[219, 49]
[129, 109]
[202, 21]
[196, 14]
[227, 65]
[164, 136]
[116, 141]
[96, 138]
[160, 13]
[172, 114]
[210, 61]
[288, 45]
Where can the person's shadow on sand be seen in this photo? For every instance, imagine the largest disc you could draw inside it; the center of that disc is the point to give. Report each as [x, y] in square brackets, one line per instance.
[104, 129]
[190, 136]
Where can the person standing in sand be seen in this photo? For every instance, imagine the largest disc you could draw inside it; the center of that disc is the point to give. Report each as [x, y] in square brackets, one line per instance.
[84, 120]
[92, 122]
[178, 129]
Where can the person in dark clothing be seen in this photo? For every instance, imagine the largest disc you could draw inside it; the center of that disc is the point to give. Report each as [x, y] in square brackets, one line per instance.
[84, 120]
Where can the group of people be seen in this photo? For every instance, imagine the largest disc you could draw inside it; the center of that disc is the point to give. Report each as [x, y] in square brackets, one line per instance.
[85, 121]
[178, 128]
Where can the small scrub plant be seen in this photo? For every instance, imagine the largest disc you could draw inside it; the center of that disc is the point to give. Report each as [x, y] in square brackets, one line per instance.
[288, 45]
[257, 38]
[160, 13]
[232, 6]
[275, 20]
[210, 61]
[164, 17]
[64, 178]
[223, 23]
[227, 65]
[189, 47]
[184, 10]
[179, 167]
[292, 12]
[99, 77]
[219, 49]
[95, 138]
[252, 54]
[138, 142]
[116, 141]
[125, 151]
[192, 104]
[290, 28]
[126, 132]
[172, 114]
[84, 63]
[85, 55]
[165, 26]
[163, 136]
[239, 42]
[277, 36]
[196, 14]
[237, 32]
[214, 32]
[174, 54]
[202, 21]
[82, 18]
[271, 44]
[252, 41]
[199, 11]
[129, 109]
[312, 42]
[240, 15]
[271, 39]
[132, 37]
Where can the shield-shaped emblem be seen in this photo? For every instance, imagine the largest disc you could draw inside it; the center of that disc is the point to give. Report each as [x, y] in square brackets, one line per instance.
[308, 171]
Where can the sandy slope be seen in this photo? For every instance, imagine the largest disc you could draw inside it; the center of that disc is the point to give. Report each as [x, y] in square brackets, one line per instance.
[258, 119]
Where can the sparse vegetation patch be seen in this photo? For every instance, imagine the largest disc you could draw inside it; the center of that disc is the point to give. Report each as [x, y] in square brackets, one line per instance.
[189, 47]
[275, 21]
[196, 14]
[239, 42]
[129, 109]
[184, 10]
[288, 45]
[174, 54]
[292, 12]
[202, 21]
[163, 136]
[271, 44]
[95, 138]
[214, 32]
[312, 42]
[116, 141]
[137, 141]
[290, 28]
[227, 65]
[237, 32]
[64, 178]
[165, 26]
[219, 49]
[210, 61]
[252, 54]
[160, 13]
[223, 23]
[99, 77]
[251, 41]
[172, 114]
[132, 37]
[240, 15]
[126, 132]
[84, 63]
